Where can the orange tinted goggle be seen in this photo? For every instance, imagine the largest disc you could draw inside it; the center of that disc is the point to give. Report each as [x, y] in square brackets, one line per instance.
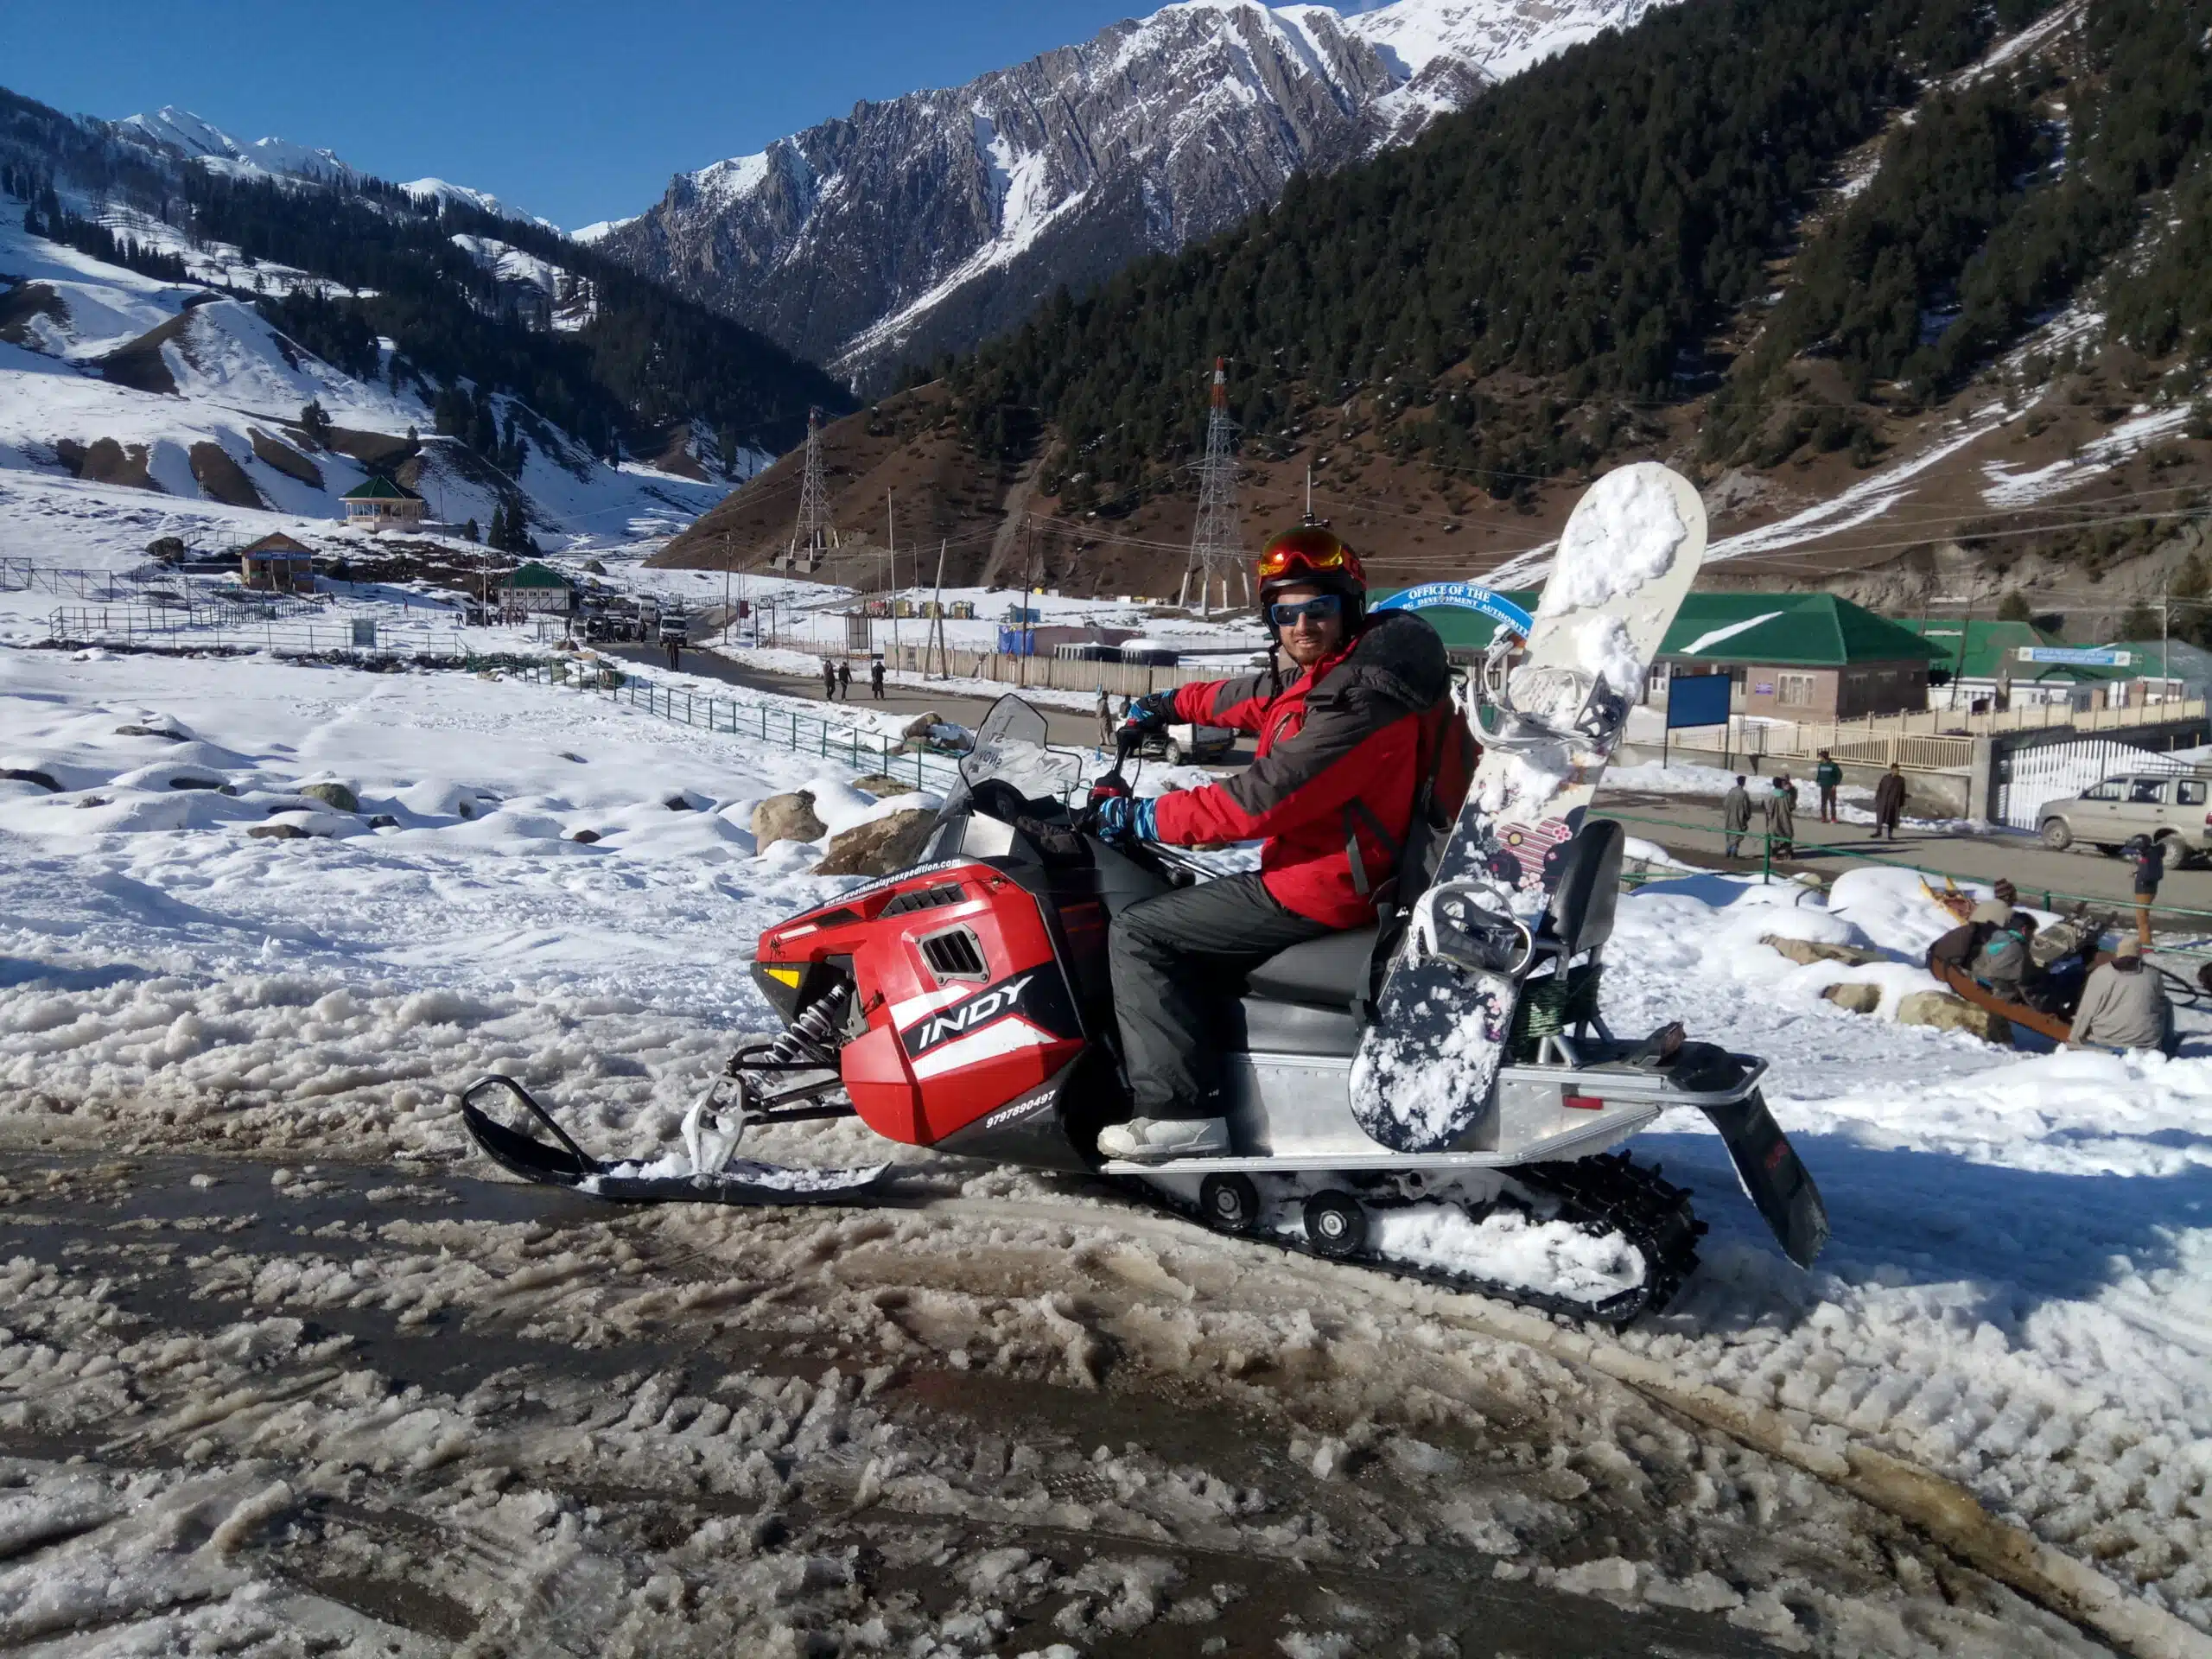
[1276, 560]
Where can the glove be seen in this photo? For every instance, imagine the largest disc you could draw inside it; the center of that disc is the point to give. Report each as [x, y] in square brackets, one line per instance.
[1151, 714]
[1122, 817]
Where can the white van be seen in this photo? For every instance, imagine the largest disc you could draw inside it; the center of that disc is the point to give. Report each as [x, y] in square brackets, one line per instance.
[2175, 811]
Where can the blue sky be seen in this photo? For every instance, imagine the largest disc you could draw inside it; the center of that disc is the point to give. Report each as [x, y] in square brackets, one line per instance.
[575, 111]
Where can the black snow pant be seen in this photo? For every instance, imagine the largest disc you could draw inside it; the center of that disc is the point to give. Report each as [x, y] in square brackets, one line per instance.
[1179, 964]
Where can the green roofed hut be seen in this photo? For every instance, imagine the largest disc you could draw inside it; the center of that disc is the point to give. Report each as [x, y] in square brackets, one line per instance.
[378, 504]
[535, 589]
[1803, 657]
[1983, 660]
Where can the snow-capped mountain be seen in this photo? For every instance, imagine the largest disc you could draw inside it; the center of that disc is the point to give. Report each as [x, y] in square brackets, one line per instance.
[930, 221]
[182, 131]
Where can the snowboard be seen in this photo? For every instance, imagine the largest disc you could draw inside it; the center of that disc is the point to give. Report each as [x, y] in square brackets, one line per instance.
[1426, 1061]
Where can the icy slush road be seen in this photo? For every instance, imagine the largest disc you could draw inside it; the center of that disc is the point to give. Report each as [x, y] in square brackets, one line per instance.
[341, 1409]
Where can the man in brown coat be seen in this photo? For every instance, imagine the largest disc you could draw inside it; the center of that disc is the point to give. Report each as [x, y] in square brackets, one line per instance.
[1889, 801]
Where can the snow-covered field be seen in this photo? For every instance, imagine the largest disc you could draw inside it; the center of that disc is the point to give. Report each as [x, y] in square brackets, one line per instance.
[2018, 1293]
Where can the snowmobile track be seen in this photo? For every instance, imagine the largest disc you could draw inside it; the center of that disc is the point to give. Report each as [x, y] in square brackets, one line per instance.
[1611, 1193]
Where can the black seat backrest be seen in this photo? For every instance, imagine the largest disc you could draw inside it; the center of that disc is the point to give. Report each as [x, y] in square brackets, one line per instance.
[1589, 890]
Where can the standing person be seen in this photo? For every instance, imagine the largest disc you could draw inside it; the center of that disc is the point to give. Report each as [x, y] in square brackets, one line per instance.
[1830, 776]
[2124, 1005]
[829, 679]
[845, 681]
[1889, 801]
[1735, 817]
[1105, 720]
[1781, 819]
[2149, 860]
[675, 644]
[875, 677]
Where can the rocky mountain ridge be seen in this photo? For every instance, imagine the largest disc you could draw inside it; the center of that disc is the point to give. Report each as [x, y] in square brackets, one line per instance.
[923, 224]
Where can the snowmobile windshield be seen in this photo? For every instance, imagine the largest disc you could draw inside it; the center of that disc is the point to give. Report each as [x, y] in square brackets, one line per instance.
[1013, 746]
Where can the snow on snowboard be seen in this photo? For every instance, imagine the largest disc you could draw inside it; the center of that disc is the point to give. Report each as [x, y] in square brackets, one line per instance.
[1627, 555]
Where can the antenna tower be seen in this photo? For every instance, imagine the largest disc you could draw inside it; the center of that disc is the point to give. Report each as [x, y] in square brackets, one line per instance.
[814, 535]
[1217, 539]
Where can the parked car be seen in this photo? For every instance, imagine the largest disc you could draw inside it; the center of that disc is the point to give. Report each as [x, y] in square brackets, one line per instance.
[2176, 812]
[1188, 744]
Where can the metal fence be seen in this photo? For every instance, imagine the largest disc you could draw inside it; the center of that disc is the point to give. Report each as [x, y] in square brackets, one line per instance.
[223, 627]
[787, 729]
[1052, 673]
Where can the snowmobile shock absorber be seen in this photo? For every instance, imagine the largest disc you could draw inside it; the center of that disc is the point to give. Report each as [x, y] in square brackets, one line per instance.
[811, 1038]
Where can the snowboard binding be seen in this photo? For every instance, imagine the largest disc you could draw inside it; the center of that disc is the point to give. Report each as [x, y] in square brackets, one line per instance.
[1470, 925]
[1539, 706]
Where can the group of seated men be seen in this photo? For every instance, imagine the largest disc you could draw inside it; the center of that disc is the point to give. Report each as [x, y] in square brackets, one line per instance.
[2117, 1003]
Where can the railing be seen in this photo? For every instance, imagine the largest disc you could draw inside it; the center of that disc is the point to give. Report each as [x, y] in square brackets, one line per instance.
[242, 628]
[1048, 673]
[1761, 739]
[790, 729]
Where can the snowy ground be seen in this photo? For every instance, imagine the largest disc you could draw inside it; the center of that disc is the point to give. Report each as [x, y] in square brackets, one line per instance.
[2019, 1293]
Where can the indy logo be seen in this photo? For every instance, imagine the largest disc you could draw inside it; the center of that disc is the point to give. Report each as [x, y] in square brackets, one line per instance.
[968, 1016]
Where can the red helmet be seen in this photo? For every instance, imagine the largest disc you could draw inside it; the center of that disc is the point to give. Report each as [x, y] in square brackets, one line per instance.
[1313, 555]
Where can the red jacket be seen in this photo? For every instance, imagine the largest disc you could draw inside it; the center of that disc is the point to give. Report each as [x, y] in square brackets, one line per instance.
[1334, 772]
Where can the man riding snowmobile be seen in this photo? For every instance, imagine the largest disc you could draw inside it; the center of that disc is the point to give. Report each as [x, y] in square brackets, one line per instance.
[1331, 795]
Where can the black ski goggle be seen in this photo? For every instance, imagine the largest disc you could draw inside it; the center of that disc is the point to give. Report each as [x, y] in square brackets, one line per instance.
[1319, 607]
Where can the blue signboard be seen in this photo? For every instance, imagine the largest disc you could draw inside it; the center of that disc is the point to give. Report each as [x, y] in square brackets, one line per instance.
[2078, 656]
[1697, 700]
[1462, 596]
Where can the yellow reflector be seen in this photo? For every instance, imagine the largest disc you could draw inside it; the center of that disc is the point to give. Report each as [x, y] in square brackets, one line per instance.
[789, 975]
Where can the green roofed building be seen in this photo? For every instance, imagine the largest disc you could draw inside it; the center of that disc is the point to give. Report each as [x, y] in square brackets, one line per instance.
[534, 587]
[1983, 658]
[1791, 655]
[378, 503]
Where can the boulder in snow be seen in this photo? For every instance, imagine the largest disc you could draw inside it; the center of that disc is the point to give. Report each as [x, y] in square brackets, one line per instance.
[25, 775]
[786, 817]
[331, 794]
[883, 785]
[1947, 1012]
[1854, 996]
[879, 846]
[277, 832]
[166, 734]
[586, 837]
[1805, 952]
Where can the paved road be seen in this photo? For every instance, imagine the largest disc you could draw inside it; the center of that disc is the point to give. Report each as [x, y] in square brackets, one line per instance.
[2034, 868]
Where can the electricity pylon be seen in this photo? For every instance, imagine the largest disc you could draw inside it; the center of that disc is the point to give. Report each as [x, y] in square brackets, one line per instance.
[814, 535]
[1216, 538]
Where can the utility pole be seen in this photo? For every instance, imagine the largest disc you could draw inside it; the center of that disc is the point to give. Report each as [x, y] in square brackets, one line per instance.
[1216, 538]
[937, 622]
[891, 539]
[2165, 632]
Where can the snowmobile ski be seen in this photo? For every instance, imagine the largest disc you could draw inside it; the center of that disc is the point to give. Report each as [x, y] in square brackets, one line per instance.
[1428, 1058]
[738, 1181]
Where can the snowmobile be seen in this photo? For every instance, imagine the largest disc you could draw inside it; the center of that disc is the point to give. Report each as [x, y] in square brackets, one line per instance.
[964, 1005]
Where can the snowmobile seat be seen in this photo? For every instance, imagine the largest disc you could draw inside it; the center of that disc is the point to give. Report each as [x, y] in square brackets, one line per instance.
[1581, 915]
[1330, 972]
